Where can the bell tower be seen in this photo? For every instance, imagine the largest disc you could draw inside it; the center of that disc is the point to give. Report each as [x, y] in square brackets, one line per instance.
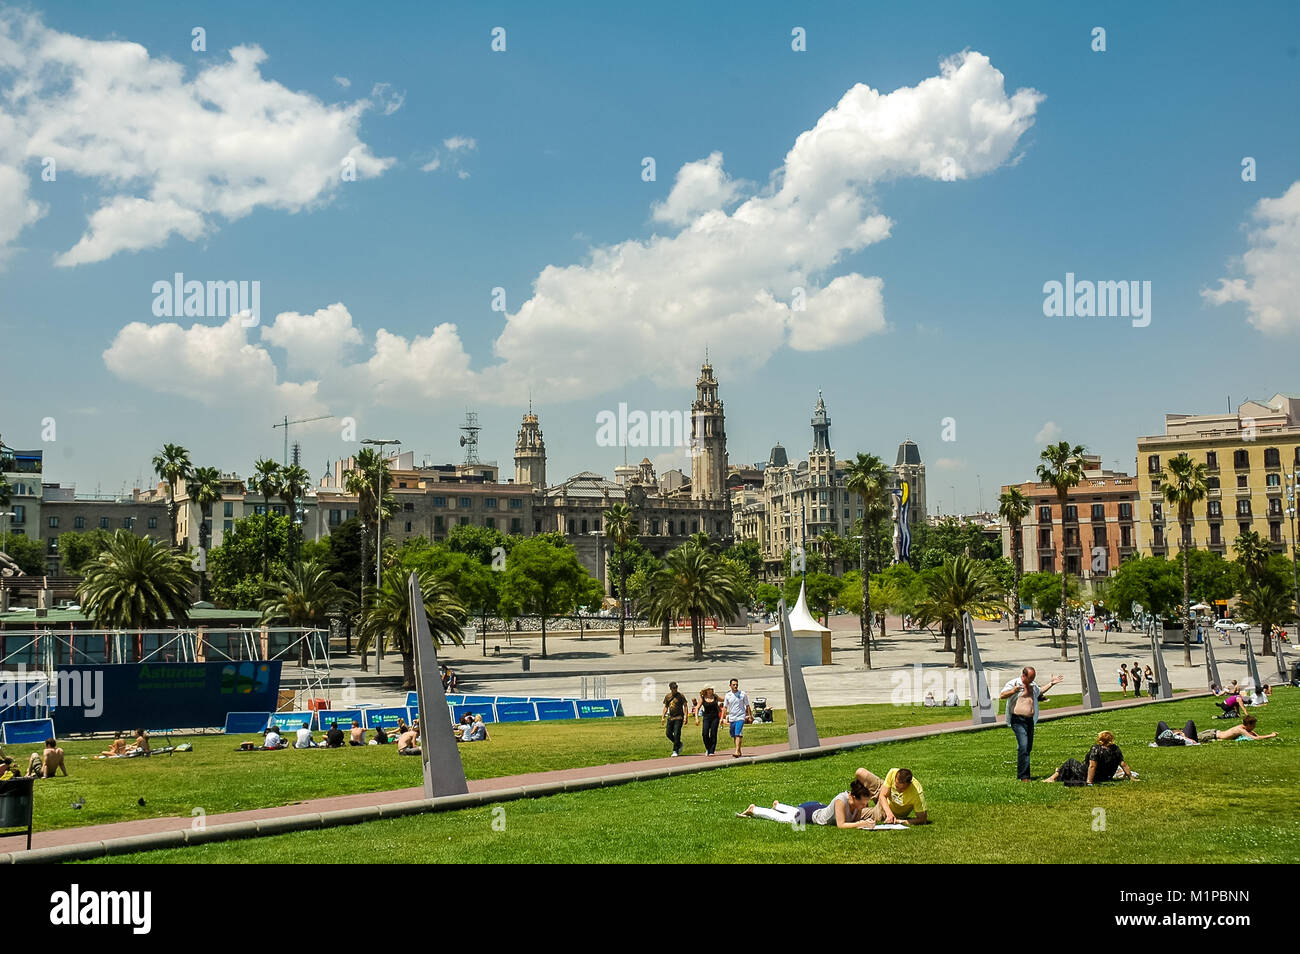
[708, 439]
[530, 452]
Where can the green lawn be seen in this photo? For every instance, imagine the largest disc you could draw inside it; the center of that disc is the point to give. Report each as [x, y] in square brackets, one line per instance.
[1220, 802]
[218, 779]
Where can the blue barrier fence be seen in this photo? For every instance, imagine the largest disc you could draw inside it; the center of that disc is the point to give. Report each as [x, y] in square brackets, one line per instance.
[27, 731]
[291, 721]
[247, 723]
[495, 709]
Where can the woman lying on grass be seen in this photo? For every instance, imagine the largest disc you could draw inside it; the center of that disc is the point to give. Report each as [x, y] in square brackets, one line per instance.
[1103, 760]
[846, 810]
[1189, 735]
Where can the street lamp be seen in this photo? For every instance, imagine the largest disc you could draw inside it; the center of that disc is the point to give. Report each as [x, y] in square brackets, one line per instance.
[379, 533]
[1291, 486]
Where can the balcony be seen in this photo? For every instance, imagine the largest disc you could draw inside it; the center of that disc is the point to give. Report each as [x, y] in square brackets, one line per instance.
[1274, 491]
[1218, 547]
[1213, 492]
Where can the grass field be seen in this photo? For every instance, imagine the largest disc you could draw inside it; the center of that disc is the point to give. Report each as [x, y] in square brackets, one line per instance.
[218, 779]
[1220, 802]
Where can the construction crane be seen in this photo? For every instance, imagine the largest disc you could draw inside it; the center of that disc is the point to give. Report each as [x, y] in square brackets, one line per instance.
[285, 424]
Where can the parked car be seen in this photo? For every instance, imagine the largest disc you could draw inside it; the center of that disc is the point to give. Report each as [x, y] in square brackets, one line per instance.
[1227, 625]
[1032, 624]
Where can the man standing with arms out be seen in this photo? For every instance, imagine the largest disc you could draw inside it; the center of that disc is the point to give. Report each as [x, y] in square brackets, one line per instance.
[674, 717]
[1022, 697]
[738, 713]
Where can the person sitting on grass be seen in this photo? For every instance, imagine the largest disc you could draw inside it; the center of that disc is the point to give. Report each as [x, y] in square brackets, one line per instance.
[1230, 690]
[273, 739]
[52, 760]
[849, 809]
[1233, 706]
[334, 737]
[897, 796]
[1244, 731]
[8, 769]
[358, 735]
[1103, 760]
[381, 737]
[476, 731]
[406, 743]
[402, 727]
[118, 746]
[304, 739]
[141, 744]
[1259, 697]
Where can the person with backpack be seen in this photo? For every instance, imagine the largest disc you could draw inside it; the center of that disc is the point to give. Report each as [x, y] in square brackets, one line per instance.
[1123, 679]
[674, 717]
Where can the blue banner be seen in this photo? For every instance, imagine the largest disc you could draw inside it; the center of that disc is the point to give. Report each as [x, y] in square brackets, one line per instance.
[386, 717]
[28, 732]
[557, 710]
[247, 723]
[292, 721]
[596, 709]
[344, 717]
[487, 712]
[515, 712]
[177, 695]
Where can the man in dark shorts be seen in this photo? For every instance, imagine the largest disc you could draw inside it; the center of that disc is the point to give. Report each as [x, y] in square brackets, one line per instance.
[674, 717]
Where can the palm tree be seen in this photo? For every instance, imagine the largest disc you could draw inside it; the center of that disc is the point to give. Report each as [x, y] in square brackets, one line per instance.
[1013, 507]
[294, 481]
[960, 585]
[621, 529]
[867, 477]
[1266, 602]
[369, 470]
[1062, 468]
[389, 619]
[204, 489]
[1252, 553]
[266, 481]
[1183, 484]
[136, 582]
[303, 595]
[695, 582]
[172, 464]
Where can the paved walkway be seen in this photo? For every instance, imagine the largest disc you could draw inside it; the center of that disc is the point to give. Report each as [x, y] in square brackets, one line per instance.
[94, 833]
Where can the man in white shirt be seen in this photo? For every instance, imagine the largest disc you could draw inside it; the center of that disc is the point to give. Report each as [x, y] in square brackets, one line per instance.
[304, 740]
[1022, 697]
[738, 713]
[951, 699]
[272, 740]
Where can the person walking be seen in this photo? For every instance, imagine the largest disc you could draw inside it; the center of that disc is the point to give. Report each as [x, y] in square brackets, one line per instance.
[709, 715]
[1137, 680]
[674, 717]
[739, 712]
[1023, 695]
[1152, 686]
[1123, 678]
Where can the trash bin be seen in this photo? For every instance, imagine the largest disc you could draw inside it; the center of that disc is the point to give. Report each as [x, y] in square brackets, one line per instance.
[16, 805]
[527, 662]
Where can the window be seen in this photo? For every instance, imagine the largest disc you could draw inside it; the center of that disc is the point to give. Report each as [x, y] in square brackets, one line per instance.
[1243, 507]
[537, 525]
[153, 523]
[336, 517]
[349, 514]
[516, 524]
[846, 513]
[1214, 508]
[654, 527]
[584, 526]
[1241, 459]
[1153, 464]
[401, 485]
[1275, 507]
[1072, 536]
[103, 523]
[1216, 534]
[1126, 536]
[408, 507]
[465, 503]
[1158, 537]
[1241, 482]
[490, 503]
[695, 526]
[408, 526]
[571, 530]
[1270, 480]
[1099, 535]
[19, 513]
[52, 545]
[1044, 514]
[78, 523]
[1126, 511]
[1272, 457]
[490, 522]
[1212, 460]
[1275, 533]
[464, 521]
[516, 503]
[228, 526]
[438, 524]
[440, 501]
[54, 523]
[1044, 539]
[128, 523]
[1157, 512]
[228, 509]
[1098, 511]
[1212, 483]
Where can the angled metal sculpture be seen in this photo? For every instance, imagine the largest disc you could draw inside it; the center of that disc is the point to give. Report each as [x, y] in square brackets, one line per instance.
[1280, 659]
[1251, 668]
[902, 522]
[1165, 691]
[1212, 665]
[984, 711]
[444, 774]
[800, 727]
[1091, 690]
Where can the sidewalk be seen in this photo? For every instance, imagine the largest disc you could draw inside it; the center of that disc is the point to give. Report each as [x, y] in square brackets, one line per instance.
[98, 833]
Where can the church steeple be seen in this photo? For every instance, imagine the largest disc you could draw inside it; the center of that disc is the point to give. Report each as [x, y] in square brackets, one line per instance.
[530, 452]
[708, 439]
[821, 425]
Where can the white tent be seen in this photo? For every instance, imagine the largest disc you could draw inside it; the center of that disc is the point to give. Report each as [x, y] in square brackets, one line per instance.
[811, 640]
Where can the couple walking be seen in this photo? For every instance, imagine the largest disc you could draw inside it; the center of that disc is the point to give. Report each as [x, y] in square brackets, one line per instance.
[708, 711]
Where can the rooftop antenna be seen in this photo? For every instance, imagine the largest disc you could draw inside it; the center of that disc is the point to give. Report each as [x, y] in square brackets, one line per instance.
[469, 440]
[297, 453]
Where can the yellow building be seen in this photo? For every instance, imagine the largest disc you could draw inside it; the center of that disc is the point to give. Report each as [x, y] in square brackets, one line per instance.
[1251, 459]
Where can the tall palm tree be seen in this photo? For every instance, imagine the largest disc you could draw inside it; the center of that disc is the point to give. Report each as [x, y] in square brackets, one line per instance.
[1013, 507]
[294, 483]
[172, 464]
[1183, 483]
[266, 481]
[1252, 553]
[303, 595]
[204, 489]
[136, 582]
[388, 620]
[867, 477]
[370, 471]
[1266, 603]
[696, 583]
[1062, 468]
[621, 529]
[960, 585]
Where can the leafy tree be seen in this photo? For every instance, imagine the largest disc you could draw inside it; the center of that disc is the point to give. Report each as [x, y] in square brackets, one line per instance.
[748, 554]
[204, 488]
[477, 586]
[78, 547]
[1213, 577]
[543, 577]
[1151, 581]
[821, 590]
[1267, 603]
[621, 529]
[345, 557]
[1013, 507]
[1062, 468]
[294, 484]
[695, 582]
[303, 595]
[746, 581]
[961, 585]
[236, 565]
[1252, 554]
[28, 553]
[481, 543]
[767, 596]
[136, 583]
[388, 620]
[1042, 591]
[266, 481]
[867, 476]
[1182, 484]
[172, 464]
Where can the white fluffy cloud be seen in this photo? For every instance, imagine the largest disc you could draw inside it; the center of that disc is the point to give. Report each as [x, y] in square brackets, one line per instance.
[1272, 292]
[1050, 433]
[313, 342]
[171, 154]
[699, 187]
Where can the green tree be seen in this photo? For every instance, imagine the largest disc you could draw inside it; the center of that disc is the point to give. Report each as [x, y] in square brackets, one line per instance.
[266, 481]
[1013, 507]
[294, 484]
[204, 489]
[1266, 603]
[768, 597]
[136, 583]
[481, 543]
[476, 585]
[542, 577]
[867, 476]
[1213, 577]
[1150, 581]
[1062, 468]
[303, 595]
[388, 620]
[236, 566]
[77, 548]
[695, 582]
[821, 590]
[29, 554]
[172, 465]
[1252, 554]
[1183, 483]
[620, 529]
[960, 585]
[748, 554]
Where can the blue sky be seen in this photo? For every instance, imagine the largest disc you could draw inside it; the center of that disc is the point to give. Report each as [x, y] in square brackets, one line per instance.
[1126, 166]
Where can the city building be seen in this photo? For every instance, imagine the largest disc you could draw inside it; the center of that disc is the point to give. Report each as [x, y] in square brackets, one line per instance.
[1250, 456]
[64, 510]
[21, 470]
[1098, 530]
